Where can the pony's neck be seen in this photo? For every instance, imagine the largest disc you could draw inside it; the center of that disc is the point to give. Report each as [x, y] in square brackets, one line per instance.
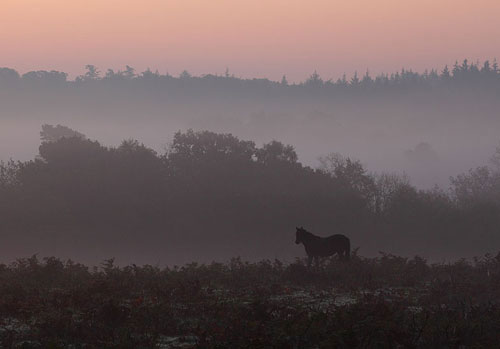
[309, 236]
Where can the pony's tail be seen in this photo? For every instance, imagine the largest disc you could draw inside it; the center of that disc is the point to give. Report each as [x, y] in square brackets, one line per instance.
[348, 250]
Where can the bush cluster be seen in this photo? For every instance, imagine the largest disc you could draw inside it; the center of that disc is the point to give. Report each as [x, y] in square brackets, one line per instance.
[368, 302]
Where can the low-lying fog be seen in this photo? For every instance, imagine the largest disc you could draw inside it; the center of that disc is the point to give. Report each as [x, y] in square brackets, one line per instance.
[428, 126]
[428, 145]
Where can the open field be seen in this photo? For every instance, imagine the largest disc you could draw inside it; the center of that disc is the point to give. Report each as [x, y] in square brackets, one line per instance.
[387, 301]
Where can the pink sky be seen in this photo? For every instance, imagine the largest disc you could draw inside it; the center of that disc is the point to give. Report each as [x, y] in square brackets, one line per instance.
[253, 38]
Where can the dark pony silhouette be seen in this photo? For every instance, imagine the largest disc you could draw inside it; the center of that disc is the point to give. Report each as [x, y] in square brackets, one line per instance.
[323, 247]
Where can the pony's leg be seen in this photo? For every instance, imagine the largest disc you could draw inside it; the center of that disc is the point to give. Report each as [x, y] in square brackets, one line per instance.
[316, 261]
[309, 260]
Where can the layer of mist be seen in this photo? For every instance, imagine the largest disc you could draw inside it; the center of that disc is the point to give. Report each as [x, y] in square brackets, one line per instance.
[212, 196]
[408, 132]
[383, 121]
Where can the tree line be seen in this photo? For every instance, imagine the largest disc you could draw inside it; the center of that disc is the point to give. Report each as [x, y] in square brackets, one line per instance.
[467, 73]
[219, 195]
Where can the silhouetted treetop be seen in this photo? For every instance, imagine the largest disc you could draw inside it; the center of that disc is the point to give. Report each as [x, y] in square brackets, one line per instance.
[92, 73]
[209, 145]
[349, 172]
[72, 151]
[8, 76]
[276, 152]
[45, 77]
[52, 133]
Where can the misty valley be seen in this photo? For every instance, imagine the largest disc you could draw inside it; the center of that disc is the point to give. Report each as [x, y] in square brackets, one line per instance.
[212, 196]
[147, 210]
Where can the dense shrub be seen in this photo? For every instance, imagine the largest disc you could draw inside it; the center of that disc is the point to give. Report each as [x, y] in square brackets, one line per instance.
[369, 302]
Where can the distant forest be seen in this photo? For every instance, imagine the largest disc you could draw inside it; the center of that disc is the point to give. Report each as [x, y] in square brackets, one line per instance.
[214, 196]
[467, 73]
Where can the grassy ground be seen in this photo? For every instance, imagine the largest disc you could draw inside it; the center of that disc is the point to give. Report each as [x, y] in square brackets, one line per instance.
[387, 301]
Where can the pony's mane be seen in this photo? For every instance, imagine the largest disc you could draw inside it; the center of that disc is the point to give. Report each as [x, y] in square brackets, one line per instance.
[306, 233]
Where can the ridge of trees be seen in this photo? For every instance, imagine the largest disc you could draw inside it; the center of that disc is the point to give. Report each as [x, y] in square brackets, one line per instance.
[465, 73]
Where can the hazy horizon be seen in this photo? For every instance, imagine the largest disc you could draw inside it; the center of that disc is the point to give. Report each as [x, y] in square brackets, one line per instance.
[251, 38]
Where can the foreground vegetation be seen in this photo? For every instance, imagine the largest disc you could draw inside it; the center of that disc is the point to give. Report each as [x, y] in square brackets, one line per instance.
[387, 301]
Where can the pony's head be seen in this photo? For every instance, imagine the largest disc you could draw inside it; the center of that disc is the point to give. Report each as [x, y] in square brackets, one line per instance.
[300, 233]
